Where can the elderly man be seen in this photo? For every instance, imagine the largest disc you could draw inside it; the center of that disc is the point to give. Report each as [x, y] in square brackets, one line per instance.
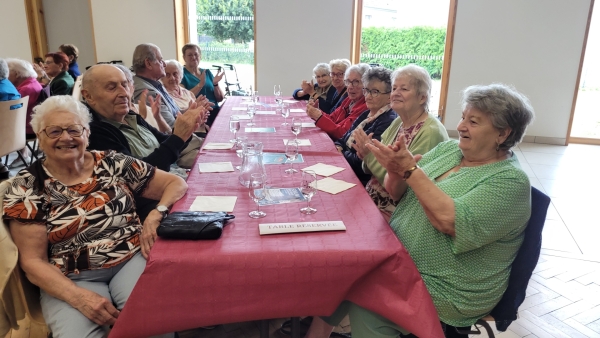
[149, 67]
[114, 126]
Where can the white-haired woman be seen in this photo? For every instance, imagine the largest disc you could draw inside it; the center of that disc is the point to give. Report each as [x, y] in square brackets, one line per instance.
[72, 216]
[24, 77]
[422, 131]
[341, 119]
[338, 69]
[322, 91]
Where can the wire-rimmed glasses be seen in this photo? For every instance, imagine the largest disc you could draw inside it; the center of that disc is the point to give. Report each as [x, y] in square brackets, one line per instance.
[74, 130]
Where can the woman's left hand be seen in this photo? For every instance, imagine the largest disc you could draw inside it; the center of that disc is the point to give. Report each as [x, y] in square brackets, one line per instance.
[396, 158]
[148, 235]
[360, 142]
[155, 105]
[312, 112]
[218, 77]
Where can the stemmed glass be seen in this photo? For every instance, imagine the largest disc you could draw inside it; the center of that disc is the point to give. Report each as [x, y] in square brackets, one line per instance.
[291, 152]
[277, 92]
[251, 111]
[308, 189]
[285, 113]
[296, 127]
[257, 193]
[234, 127]
[239, 149]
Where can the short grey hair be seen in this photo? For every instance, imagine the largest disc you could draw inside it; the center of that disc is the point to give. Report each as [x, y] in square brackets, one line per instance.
[3, 69]
[63, 103]
[321, 68]
[506, 107]
[141, 53]
[126, 71]
[419, 78]
[378, 73]
[21, 68]
[340, 63]
[360, 68]
[175, 63]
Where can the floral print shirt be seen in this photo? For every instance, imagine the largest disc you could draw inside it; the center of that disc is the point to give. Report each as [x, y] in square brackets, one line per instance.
[90, 225]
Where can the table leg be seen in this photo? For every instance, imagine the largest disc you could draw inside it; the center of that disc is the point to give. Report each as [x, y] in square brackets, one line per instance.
[295, 327]
[264, 328]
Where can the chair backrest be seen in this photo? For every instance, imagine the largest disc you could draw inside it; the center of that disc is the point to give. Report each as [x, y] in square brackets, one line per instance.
[77, 88]
[12, 128]
[522, 268]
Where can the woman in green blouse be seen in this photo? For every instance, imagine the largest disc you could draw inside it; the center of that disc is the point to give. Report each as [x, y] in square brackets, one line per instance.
[462, 211]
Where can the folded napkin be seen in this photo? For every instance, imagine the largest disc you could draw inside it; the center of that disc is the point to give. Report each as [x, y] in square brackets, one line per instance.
[333, 186]
[218, 146]
[301, 142]
[290, 101]
[323, 169]
[214, 203]
[239, 108]
[265, 112]
[308, 125]
[297, 110]
[215, 167]
[243, 117]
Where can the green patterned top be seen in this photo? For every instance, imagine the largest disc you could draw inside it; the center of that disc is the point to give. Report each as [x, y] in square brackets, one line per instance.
[467, 275]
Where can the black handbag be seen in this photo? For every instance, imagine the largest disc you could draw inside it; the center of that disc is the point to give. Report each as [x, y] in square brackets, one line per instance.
[193, 225]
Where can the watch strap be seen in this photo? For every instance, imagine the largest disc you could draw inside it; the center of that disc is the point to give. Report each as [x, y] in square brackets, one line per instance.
[409, 172]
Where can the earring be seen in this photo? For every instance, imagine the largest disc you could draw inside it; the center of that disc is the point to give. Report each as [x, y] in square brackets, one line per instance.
[497, 147]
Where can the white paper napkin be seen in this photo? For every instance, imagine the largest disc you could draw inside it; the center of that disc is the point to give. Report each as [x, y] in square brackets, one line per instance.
[301, 142]
[297, 110]
[243, 117]
[239, 108]
[290, 101]
[215, 167]
[265, 112]
[218, 146]
[333, 186]
[308, 125]
[214, 203]
[323, 169]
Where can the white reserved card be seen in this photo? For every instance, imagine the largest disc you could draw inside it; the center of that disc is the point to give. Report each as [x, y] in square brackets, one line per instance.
[323, 169]
[215, 167]
[283, 228]
[265, 112]
[297, 110]
[308, 125]
[218, 146]
[239, 108]
[214, 203]
[301, 142]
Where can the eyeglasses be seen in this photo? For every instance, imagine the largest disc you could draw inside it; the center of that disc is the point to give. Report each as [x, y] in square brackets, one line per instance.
[74, 130]
[49, 62]
[354, 83]
[374, 92]
[337, 75]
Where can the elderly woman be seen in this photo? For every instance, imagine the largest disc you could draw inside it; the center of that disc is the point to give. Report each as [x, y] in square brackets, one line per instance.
[340, 120]
[377, 88]
[23, 76]
[171, 81]
[73, 219]
[72, 52]
[55, 68]
[155, 119]
[463, 209]
[338, 69]
[411, 92]
[322, 91]
[201, 81]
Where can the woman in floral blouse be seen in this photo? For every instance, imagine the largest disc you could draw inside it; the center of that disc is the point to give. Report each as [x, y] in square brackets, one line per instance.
[72, 216]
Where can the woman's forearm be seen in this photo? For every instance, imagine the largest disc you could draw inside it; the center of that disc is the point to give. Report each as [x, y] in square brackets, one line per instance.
[438, 206]
[50, 279]
[394, 185]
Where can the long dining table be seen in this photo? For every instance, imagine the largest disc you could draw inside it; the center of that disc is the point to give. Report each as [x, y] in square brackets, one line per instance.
[244, 276]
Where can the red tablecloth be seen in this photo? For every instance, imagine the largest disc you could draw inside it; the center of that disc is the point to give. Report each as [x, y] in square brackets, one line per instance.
[243, 276]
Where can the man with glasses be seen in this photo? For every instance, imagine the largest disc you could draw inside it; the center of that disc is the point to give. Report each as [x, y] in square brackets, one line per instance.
[340, 120]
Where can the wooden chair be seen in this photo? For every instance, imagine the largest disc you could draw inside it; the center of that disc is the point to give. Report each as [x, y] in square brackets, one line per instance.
[20, 310]
[12, 128]
[505, 312]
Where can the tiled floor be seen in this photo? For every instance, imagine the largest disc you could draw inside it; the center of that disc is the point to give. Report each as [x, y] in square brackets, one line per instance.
[563, 298]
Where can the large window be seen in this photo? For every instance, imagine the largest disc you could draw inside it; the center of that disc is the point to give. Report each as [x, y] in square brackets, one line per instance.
[586, 121]
[225, 34]
[396, 33]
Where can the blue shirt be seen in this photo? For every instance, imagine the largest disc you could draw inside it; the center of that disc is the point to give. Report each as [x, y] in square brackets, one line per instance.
[8, 91]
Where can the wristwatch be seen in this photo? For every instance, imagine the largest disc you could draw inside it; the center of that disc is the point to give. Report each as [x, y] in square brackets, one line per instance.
[409, 172]
[164, 211]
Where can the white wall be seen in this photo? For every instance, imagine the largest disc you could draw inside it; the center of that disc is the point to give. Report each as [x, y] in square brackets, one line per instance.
[119, 26]
[14, 40]
[68, 21]
[293, 36]
[534, 45]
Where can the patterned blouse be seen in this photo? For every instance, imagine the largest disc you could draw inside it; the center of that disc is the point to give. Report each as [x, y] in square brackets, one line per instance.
[90, 225]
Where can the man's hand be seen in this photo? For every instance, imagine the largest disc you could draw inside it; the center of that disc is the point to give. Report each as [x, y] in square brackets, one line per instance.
[313, 113]
[188, 122]
[95, 307]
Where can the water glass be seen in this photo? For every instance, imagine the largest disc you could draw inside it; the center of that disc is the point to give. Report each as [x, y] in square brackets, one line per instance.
[285, 113]
[308, 188]
[257, 193]
[234, 127]
[296, 127]
[291, 152]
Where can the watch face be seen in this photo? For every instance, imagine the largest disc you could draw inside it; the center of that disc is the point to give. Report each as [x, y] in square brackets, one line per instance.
[162, 208]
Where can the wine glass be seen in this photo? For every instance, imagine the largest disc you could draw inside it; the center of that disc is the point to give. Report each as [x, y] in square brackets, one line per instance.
[257, 192]
[234, 127]
[308, 189]
[285, 113]
[251, 111]
[291, 152]
[239, 149]
[277, 92]
[296, 127]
